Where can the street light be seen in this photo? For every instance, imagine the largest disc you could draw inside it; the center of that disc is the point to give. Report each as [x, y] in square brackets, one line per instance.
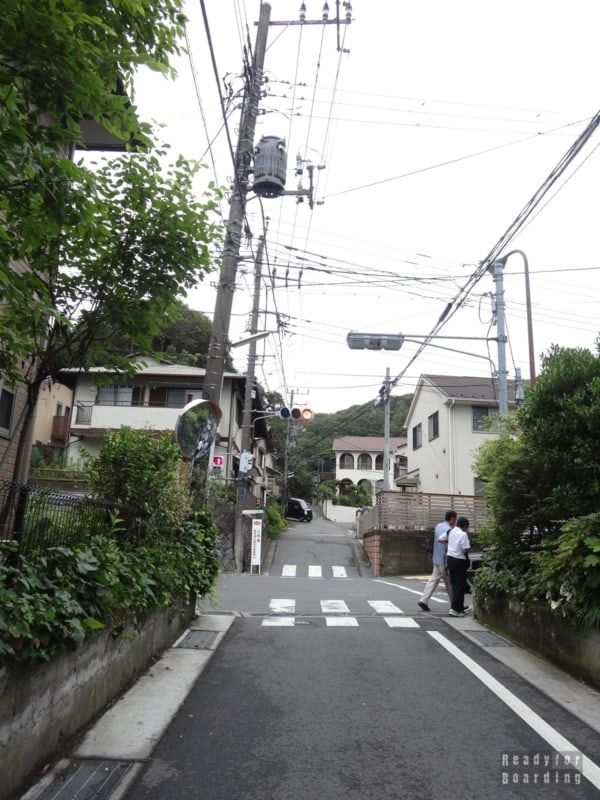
[504, 259]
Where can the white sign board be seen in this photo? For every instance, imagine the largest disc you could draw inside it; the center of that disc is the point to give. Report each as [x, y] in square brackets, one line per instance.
[256, 543]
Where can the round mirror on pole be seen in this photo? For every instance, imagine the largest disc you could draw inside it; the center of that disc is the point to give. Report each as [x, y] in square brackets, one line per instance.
[196, 429]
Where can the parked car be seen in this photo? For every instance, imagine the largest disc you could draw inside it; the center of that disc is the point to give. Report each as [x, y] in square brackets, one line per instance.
[298, 509]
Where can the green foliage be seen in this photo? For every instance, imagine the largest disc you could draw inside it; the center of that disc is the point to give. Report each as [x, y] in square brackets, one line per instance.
[543, 492]
[275, 524]
[354, 496]
[301, 483]
[53, 600]
[186, 337]
[138, 470]
[569, 570]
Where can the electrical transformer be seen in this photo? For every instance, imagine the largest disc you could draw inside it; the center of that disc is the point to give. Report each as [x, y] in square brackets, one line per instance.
[270, 164]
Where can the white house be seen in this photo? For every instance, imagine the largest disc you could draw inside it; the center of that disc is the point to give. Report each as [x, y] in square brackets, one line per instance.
[359, 460]
[153, 399]
[446, 426]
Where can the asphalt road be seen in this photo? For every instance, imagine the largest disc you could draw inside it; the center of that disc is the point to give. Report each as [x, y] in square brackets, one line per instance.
[308, 698]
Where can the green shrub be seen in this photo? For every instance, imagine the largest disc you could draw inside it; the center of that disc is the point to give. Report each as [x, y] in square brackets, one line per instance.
[53, 600]
[138, 470]
[274, 521]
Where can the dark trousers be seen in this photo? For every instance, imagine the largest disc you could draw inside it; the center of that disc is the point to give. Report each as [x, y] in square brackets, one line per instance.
[457, 567]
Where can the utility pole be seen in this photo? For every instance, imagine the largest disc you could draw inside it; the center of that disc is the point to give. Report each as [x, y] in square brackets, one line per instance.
[386, 433]
[286, 459]
[215, 362]
[498, 272]
[242, 480]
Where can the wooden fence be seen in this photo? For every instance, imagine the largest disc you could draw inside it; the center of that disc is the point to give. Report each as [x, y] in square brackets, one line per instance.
[416, 510]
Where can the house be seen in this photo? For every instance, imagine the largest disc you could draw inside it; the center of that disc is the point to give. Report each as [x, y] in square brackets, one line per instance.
[52, 416]
[359, 461]
[446, 425]
[153, 399]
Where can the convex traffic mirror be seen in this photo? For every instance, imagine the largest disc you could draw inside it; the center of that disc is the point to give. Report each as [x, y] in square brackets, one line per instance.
[196, 428]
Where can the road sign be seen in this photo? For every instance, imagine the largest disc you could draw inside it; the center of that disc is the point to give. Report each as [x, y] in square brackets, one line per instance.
[256, 544]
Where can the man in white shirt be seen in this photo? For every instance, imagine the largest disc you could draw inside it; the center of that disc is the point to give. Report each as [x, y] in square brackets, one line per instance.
[458, 563]
[438, 557]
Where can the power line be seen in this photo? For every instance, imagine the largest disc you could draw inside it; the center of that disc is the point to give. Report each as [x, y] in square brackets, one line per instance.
[450, 161]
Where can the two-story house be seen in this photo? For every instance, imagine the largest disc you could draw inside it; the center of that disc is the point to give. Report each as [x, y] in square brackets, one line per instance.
[359, 461]
[446, 424]
[153, 399]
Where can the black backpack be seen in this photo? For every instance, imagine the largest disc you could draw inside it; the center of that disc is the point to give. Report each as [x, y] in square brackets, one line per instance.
[430, 541]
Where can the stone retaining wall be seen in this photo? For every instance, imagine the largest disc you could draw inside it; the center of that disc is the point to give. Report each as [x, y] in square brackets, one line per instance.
[397, 552]
[537, 628]
[43, 705]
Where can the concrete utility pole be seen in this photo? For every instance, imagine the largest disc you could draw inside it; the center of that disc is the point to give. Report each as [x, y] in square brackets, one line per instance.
[286, 459]
[242, 481]
[498, 272]
[215, 362]
[386, 433]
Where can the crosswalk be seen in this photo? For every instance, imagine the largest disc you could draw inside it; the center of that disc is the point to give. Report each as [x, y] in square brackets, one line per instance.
[311, 571]
[336, 614]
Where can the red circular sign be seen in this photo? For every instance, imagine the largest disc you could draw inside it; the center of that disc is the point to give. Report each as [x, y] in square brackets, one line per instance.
[217, 461]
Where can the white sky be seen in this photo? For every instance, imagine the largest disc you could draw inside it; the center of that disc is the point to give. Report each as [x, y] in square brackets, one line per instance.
[424, 83]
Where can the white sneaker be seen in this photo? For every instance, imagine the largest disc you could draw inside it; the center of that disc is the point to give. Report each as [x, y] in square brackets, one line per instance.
[454, 613]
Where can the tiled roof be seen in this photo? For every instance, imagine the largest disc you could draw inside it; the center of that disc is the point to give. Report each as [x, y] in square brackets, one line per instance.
[366, 443]
[463, 387]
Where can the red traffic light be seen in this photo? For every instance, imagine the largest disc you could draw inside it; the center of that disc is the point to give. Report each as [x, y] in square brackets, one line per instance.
[217, 461]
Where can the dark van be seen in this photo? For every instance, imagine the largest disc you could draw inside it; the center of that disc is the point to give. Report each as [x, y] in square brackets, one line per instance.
[298, 509]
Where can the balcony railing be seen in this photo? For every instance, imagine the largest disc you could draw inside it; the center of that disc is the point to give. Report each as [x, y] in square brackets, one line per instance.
[84, 415]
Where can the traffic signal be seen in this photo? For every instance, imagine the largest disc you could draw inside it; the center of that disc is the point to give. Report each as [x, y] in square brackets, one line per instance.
[218, 462]
[296, 413]
[374, 341]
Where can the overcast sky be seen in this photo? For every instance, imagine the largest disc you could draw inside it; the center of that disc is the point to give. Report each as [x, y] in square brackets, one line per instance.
[424, 83]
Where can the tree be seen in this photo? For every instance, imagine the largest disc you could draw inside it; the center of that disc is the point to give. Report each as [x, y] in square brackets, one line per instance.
[186, 338]
[134, 238]
[87, 259]
[551, 472]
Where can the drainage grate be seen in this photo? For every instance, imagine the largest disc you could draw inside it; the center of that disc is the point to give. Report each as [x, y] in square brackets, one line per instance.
[198, 640]
[87, 780]
[488, 639]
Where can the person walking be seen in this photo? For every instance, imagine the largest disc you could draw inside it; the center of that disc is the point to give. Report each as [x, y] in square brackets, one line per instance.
[438, 556]
[458, 564]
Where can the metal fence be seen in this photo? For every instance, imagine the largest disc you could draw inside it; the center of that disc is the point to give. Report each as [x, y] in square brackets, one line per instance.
[38, 518]
[420, 511]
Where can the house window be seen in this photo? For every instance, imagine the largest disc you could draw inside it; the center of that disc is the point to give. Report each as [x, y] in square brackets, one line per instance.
[365, 461]
[480, 415]
[7, 402]
[176, 398]
[478, 487]
[114, 396]
[401, 466]
[59, 410]
[417, 436]
[433, 426]
[346, 461]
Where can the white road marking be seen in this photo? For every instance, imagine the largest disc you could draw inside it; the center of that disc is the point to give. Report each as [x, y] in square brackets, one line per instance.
[278, 622]
[339, 572]
[315, 571]
[412, 591]
[334, 607]
[401, 622]
[289, 571]
[341, 622]
[385, 607]
[557, 741]
[279, 605]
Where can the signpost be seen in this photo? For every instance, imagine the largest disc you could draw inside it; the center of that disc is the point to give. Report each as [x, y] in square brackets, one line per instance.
[256, 543]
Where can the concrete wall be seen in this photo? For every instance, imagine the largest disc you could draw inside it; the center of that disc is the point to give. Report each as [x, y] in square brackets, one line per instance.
[343, 514]
[397, 552]
[42, 705]
[537, 628]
